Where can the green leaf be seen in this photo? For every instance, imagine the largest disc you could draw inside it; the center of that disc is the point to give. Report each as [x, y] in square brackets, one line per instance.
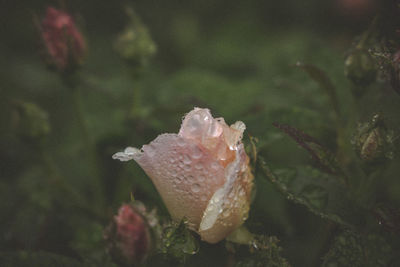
[36, 259]
[320, 192]
[323, 81]
[178, 242]
[264, 252]
[352, 249]
[324, 159]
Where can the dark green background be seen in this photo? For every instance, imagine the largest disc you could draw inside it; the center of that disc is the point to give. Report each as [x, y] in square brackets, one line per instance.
[235, 57]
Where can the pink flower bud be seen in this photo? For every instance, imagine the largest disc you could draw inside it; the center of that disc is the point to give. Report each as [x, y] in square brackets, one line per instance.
[128, 236]
[202, 173]
[64, 44]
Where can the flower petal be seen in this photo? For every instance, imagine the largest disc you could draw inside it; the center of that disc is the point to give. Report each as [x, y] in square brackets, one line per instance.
[185, 175]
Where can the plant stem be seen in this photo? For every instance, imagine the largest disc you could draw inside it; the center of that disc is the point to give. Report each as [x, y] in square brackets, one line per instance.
[136, 106]
[78, 106]
[90, 151]
[58, 180]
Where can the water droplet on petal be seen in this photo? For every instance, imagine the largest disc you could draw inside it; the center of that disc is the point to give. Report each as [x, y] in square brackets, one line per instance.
[196, 154]
[150, 150]
[198, 166]
[181, 142]
[195, 188]
[186, 159]
[215, 165]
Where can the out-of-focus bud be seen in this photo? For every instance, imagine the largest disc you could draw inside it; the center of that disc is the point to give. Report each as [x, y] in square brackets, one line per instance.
[65, 45]
[135, 44]
[373, 142]
[360, 68]
[202, 173]
[29, 121]
[128, 236]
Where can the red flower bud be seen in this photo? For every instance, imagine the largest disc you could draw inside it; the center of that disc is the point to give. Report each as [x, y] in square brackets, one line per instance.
[65, 46]
[129, 236]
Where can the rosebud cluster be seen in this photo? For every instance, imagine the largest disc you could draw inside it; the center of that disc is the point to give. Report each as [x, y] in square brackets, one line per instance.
[65, 46]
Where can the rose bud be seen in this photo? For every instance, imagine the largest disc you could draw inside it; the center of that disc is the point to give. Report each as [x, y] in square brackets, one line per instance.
[129, 239]
[65, 46]
[360, 68]
[135, 44]
[373, 141]
[202, 173]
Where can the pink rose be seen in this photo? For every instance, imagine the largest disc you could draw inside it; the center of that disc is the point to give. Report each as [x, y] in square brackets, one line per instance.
[202, 173]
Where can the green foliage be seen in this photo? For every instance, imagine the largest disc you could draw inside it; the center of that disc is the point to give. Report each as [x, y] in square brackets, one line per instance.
[37, 259]
[352, 249]
[30, 121]
[134, 44]
[323, 158]
[59, 187]
[178, 242]
[321, 193]
[263, 251]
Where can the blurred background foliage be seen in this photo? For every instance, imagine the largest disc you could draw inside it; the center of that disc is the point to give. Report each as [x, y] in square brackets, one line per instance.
[60, 189]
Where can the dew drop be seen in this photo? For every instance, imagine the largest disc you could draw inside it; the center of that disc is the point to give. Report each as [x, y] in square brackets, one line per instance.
[186, 159]
[150, 151]
[201, 178]
[198, 166]
[181, 142]
[241, 192]
[226, 213]
[203, 198]
[187, 167]
[196, 153]
[195, 188]
[215, 165]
